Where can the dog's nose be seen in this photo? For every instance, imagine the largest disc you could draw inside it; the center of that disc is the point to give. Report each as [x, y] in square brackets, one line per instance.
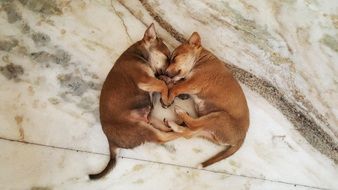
[160, 72]
[172, 74]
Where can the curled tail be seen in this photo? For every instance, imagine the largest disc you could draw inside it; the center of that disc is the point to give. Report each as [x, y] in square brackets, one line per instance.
[109, 166]
[222, 155]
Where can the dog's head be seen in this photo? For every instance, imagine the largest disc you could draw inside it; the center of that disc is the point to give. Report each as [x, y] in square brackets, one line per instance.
[184, 57]
[157, 52]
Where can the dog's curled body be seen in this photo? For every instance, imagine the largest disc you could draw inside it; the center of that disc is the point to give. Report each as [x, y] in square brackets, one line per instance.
[223, 115]
[125, 100]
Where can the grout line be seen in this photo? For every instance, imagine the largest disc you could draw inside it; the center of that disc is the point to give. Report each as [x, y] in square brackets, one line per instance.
[163, 163]
[51, 146]
[160, 163]
[223, 172]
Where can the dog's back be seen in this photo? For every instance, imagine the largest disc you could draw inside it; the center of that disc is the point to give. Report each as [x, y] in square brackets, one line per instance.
[221, 90]
[120, 97]
[125, 102]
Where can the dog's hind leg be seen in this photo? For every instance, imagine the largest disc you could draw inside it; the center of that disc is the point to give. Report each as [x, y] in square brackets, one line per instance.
[201, 122]
[161, 136]
[184, 131]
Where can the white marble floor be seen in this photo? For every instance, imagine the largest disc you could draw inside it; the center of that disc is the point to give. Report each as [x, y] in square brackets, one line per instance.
[51, 70]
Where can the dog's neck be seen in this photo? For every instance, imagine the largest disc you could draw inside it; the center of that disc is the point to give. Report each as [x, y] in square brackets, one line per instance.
[139, 51]
[203, 57]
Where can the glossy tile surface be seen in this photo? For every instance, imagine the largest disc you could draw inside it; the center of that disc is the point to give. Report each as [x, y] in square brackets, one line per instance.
[52, 67]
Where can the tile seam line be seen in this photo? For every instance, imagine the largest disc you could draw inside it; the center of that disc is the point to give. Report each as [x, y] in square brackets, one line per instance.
[89, 152]
[226, 173]
[161, 163]
[51, 146]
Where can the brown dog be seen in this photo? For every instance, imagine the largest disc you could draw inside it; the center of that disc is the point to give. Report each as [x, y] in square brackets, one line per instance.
[125, 101]
[223, 115]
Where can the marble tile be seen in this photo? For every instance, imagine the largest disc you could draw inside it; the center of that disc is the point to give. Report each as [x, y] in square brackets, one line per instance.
[291, 44]
[59, 87]
[273, 148]
[25, 166]
[51, 70]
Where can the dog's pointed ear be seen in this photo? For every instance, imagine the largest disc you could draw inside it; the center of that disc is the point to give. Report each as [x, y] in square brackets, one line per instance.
[195, 40]
[150, 34]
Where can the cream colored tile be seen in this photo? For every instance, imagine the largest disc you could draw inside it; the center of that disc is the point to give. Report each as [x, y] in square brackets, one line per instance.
[291, 44]
[273, 150]
[25, 166]
[54, 101]
[52, 97]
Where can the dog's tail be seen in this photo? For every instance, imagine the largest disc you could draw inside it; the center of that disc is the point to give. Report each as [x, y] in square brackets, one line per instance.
[109, 166]
[222, 155]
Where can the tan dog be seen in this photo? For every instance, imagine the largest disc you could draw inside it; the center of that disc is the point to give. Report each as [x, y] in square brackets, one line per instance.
[125, 101]
[220, 102]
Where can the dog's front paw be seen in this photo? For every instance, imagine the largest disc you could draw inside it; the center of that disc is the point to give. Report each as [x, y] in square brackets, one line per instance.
[179, 110]
[165, 78]
[171, 124]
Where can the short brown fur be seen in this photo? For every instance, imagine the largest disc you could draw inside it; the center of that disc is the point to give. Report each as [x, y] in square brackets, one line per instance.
[125, 101]
[220, 102]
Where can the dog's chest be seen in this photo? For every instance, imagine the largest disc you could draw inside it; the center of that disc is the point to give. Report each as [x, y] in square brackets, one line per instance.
[148, 70]
[199, 103]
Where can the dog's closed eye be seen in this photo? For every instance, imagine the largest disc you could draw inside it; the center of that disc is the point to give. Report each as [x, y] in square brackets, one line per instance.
[172, 59]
